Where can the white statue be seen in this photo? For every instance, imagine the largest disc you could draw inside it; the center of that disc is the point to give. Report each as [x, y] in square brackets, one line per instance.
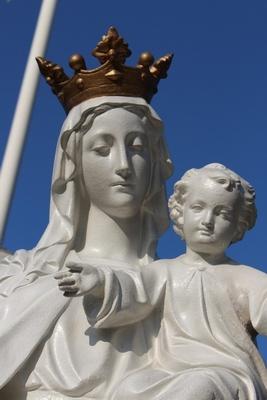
[3, 253]
[211, 307]
[107, 207]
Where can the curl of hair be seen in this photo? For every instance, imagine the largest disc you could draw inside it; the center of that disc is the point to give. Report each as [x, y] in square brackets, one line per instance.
[230, 181]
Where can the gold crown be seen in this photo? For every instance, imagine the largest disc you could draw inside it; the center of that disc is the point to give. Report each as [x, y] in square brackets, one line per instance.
[112, 78]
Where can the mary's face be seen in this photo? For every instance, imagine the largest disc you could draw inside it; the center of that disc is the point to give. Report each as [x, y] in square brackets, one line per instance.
[116, 163]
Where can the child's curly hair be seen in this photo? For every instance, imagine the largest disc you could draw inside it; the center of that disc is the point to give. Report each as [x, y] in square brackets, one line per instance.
[230, 181]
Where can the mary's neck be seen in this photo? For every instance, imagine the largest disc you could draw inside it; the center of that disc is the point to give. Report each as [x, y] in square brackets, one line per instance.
[112, 238]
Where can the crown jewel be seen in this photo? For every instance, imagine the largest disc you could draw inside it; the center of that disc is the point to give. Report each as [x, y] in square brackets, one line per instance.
[112, 78]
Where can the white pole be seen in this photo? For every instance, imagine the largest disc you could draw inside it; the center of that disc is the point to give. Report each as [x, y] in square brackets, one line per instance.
[23, 110]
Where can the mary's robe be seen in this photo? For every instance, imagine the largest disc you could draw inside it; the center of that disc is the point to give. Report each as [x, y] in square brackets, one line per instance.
[49, 349]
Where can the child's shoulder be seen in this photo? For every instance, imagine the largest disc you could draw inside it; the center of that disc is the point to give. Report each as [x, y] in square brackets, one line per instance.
[245, 275]
[246, 269]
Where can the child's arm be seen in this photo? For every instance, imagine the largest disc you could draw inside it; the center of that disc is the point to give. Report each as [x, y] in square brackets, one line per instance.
[116, 297]
[257, 296]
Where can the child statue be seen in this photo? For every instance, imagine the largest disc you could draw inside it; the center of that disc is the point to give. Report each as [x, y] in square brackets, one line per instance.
[211, 307]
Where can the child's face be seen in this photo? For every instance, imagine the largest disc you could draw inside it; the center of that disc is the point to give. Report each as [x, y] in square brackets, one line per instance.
[210, 216]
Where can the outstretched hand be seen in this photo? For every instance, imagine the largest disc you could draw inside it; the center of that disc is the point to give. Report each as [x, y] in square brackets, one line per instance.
[80, 279]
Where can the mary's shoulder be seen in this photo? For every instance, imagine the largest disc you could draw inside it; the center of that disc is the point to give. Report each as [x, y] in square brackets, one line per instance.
[4, 253]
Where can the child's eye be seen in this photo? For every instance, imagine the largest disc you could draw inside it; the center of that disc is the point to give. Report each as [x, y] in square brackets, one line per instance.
[197, 207]
[226, 215]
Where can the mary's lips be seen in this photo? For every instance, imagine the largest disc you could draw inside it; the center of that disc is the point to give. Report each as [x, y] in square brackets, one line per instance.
[125, 184]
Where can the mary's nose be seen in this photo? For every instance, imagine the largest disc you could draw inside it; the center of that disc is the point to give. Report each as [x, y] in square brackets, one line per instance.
[122, 164]
[123, 172]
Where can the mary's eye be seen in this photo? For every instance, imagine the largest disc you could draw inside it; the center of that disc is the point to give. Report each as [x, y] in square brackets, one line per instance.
[103, 151]
[101, 144]
[137, 144]
[137, 147]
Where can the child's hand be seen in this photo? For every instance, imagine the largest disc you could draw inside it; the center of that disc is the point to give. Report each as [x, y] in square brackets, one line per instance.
[80, 279]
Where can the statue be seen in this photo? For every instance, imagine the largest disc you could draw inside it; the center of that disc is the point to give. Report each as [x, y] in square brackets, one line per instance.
[108, 207]
[211, 307]
[3, 253]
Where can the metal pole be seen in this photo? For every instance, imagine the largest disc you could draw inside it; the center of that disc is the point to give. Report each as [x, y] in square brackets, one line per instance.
[18, 131]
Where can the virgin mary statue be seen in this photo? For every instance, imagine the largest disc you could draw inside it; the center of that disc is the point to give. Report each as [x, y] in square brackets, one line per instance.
[107, 207]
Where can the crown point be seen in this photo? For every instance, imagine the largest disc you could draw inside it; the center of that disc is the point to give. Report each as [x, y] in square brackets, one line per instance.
[112, 31]
[146, 59]
[160, 67]
[112, 48]
[77, 62]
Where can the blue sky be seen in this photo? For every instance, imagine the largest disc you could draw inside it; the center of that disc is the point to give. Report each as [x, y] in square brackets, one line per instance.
[213, 103]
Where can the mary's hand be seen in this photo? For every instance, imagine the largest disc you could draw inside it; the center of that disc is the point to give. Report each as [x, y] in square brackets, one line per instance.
[81, 279]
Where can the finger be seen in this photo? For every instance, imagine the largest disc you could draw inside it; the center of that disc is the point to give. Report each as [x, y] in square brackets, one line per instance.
[62, 274]
[67, 288]
[70, 294]
[67, 281]
[74, 267]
